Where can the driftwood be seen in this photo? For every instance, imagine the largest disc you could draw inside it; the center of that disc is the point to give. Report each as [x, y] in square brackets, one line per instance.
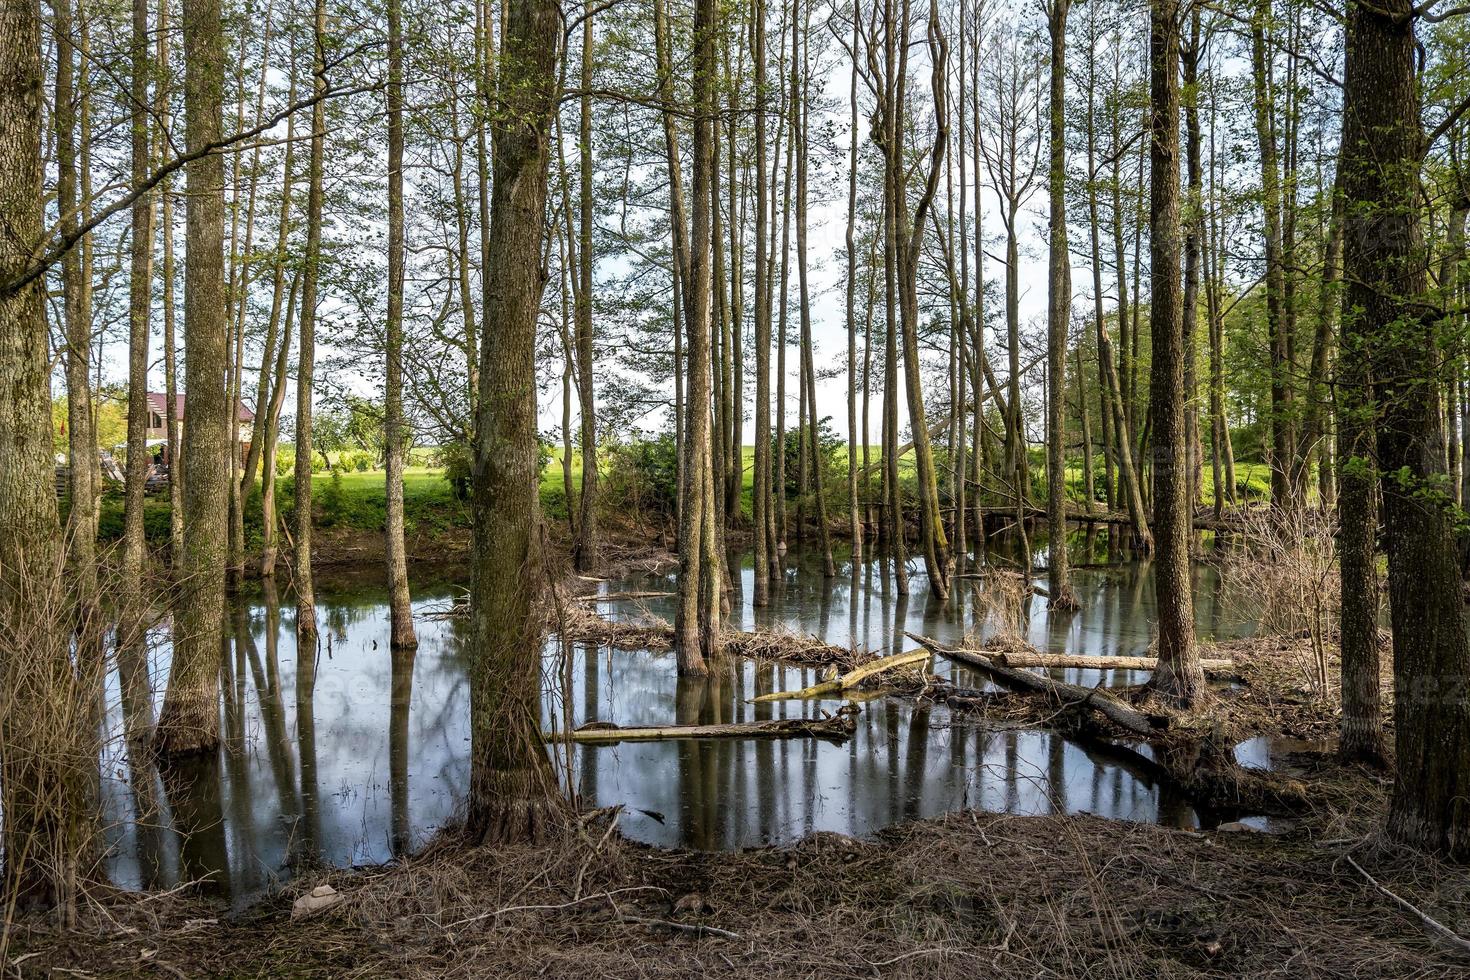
[1433, 925]
[1095, 699]
[834, 729]
[1056, 660]
[851, 679]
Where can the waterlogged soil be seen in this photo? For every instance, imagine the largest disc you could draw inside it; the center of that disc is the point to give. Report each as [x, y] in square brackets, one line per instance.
[360, 753]
[932, 843]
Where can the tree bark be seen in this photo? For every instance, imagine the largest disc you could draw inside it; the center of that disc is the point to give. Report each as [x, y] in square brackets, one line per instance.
[189, 721]
[1179, 676]
[400, 610]
[513, 791]
[1058, 315]
[1389, 330]
[584, 549]
[697, 622]
[42, 792]
[306, 626]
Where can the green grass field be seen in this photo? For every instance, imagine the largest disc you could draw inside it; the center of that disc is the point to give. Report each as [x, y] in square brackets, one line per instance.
[356, 499]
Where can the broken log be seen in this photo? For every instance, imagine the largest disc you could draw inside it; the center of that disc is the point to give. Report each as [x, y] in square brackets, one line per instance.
[1064, 660]
[835, 729]
[1096, 699]
[851, 679]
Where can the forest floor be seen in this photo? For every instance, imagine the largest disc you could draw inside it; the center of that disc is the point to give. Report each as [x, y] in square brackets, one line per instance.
[969, 894]
[1319, 894]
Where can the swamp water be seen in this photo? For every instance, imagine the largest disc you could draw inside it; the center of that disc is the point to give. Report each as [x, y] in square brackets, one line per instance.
[363, 753]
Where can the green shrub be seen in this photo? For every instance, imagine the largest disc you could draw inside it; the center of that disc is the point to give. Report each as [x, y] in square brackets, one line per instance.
[643, 475]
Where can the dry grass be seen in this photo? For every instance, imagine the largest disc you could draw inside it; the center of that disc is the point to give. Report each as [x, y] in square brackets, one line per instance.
[966, 895]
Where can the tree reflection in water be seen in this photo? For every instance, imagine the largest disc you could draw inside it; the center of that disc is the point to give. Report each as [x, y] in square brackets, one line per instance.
[367, 758]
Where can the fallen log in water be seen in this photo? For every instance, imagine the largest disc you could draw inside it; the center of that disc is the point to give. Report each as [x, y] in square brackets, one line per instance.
[851, 679]
[1062, 660]
[1095, 699]
[834, 729]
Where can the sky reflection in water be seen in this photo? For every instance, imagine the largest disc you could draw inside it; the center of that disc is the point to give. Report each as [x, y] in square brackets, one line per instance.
[366, 755]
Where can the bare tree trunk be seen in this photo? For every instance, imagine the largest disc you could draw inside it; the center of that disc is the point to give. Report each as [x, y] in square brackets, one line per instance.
[1179, 675]
[170, 372]
[584, 549]
[854, 521]
[189, 721]
[1389, 333]
[270, 420]
[513, 790]
[1058, 316]
[761, 482]
[39, 759]
[1193, 217]
[1283, 448]
[306, 626]
[1089, 488]
[77, 314]
[697, 623]
[134, 548]
[400, 609]
[802, 113]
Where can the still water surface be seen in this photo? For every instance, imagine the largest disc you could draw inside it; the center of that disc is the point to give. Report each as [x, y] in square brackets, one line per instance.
[361, 753]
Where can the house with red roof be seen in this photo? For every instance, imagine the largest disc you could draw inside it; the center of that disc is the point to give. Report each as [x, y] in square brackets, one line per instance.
[158, 423]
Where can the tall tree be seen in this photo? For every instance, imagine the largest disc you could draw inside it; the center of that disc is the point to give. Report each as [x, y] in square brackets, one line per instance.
[584, 549]
[513, 790]
[400, 611]
[697, 623]
[42, 792]
[854, 522]
[77, 319]
[1179, 675]
[306, 627]
[189, 720]
[765, 546]
[1389, 334]
[1058, 314]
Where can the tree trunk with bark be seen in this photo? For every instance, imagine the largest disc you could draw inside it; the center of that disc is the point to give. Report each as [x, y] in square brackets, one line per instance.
[400, 610]
[1389, 330]
[43, 766]
[1058, 315]
[1179, 676]
[189, 721]
[513, 791]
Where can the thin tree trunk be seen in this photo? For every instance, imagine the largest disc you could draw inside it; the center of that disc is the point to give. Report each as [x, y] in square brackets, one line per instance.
[306, 626]
[400, 610]
[761, 482]
[82, 439]
[1059, 315]
[584, 549]
[272, 428]
[854, 521]
[170, 362]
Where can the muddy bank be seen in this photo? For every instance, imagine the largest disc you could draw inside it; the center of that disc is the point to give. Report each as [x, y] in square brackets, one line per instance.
[970, 894]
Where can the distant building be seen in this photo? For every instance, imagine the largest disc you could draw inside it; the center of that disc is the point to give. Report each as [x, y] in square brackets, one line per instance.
[158, 423]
